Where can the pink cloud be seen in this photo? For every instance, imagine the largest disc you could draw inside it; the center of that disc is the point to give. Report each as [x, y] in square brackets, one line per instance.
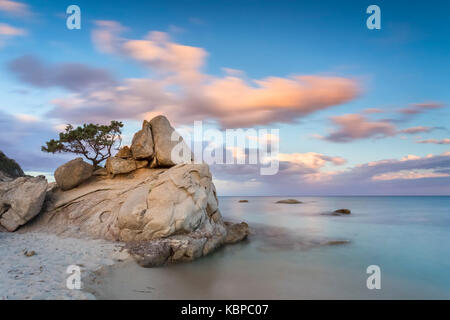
[14, 7]
[8, 30]
[418, 129]
[310, 160]
[435, 141]
[421, 107]
[199, 95]
[354, 126]
[373, 110]
[410, 175]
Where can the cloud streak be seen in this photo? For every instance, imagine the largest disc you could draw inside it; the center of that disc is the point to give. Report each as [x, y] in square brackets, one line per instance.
[434, 141]
[71, 76]
[14, 8]
[10, 31]
[351, 127]
[418, 108]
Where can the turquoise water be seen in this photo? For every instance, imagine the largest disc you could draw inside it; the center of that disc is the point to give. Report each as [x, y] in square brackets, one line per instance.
[288, 255]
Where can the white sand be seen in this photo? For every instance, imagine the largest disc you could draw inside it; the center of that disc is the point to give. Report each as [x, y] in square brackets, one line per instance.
[43, 275]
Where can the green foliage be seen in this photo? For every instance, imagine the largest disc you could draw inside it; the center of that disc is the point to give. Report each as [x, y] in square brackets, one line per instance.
[95, 142]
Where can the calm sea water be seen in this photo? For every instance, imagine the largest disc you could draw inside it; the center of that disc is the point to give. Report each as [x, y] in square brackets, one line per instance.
[289, 255]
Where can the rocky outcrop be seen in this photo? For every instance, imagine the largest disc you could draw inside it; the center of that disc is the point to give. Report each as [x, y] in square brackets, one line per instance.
[165, 213]
[179, 200]
[142, 146]
[21, 200]
[73, 173]
[9, 169]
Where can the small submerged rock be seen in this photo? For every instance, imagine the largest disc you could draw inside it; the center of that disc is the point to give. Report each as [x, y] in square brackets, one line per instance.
[343, 211]
[289, 201]
[243, 201]
[337, 242]
[273, 239]
[339, 212]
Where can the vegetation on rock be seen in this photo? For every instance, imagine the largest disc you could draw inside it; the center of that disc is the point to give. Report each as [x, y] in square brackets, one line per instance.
[95, 142]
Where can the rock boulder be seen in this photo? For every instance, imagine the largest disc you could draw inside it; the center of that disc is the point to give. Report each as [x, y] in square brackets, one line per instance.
[73, 173]
[21, 200]
[166, 139]
[116, 165]
[142, 146]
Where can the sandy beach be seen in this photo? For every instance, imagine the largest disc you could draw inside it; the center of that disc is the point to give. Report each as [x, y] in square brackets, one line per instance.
[43, 274]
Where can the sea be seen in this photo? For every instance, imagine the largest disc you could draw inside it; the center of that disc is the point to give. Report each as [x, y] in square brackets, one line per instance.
[387, 248]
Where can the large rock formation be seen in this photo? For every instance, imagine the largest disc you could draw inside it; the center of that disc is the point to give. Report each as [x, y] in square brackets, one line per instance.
[9, 169]
[165, 214]
[73, 173]
[21, 200]
[173, 208]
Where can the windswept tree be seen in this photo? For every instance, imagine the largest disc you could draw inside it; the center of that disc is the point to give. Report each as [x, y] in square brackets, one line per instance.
[95, 142]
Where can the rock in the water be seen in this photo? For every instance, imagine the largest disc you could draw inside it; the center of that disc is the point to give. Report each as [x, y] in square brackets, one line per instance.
[73, 173]
[289, 201]
[243, 201]
[166, 139]
[124, 153]
[21, 200]
[337, 242]
[116, 165]
[236, 232]
[343, 211]
[142, 146]
[9, 169]
[151, 254]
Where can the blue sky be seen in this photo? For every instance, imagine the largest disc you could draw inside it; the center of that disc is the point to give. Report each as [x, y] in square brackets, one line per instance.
[402, 71]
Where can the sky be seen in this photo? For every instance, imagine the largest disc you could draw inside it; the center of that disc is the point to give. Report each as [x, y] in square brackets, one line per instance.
[359, 111]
